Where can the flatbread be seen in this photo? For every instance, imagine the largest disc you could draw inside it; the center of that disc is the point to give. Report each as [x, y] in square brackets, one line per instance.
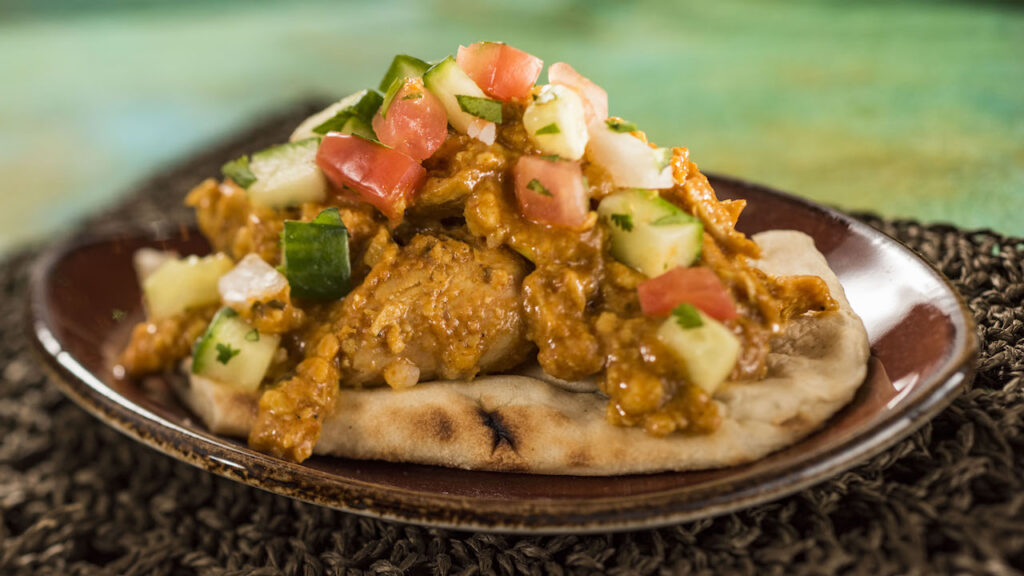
[524, 423]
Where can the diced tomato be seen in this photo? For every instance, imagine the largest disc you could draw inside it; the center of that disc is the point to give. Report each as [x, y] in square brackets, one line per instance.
[383, 177]
[698, 286]
[551, 191]
[500, 70]
[595, 99]
[416, 124]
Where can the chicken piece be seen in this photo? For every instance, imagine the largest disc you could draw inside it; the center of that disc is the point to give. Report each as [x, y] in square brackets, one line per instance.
[159, 345]
[555, 300]
[777, 299]
[453, 172]
[437, 308]
[694, 193]
[233, 225]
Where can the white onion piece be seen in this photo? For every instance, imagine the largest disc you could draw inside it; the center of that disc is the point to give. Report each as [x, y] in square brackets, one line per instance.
[252, 280]
[147, 260]
[482, 130]
[629, 160]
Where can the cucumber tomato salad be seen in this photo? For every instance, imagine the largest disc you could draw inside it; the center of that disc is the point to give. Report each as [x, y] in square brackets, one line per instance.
[466, 218]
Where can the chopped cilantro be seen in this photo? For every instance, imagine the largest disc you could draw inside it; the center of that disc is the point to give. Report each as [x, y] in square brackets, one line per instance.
[624, 221]
[117, 314]
[551, 158]
[413, 96]
[687, 316]
[252, 336]
[225, 353]
[620, 126]
[539, 188]
[485, 108]
[549, 129]
[238, 170]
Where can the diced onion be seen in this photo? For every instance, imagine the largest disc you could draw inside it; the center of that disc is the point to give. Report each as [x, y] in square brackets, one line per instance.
[482, 130]
[629, 160]
[252, 280]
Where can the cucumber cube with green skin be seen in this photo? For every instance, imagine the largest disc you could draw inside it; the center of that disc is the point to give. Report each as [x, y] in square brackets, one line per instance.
[447, 81]
[233, 352]
[315, 257]
[182, 284]
[709, 351]
[362, 104]
[556, 124]
[360, 127]
[649, 233]
[287, 175]
[402, 67]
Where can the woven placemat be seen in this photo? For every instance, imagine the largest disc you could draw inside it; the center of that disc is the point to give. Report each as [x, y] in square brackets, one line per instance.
[78, 498]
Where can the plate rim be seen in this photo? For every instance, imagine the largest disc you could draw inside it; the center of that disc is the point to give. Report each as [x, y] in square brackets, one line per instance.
[607, 514]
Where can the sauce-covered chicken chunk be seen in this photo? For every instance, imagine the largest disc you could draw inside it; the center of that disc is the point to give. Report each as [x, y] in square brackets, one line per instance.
[440, 308]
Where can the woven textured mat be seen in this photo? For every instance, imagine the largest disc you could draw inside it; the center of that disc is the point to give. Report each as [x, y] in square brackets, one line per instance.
[78, 498]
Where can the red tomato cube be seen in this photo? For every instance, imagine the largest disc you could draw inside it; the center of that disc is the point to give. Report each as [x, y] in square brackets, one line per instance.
[551, 191]
[698, 286]
[500, 70]
[416, 124]
[384, 177]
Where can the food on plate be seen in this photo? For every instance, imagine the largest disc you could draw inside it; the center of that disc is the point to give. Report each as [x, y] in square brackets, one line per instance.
[467, 268]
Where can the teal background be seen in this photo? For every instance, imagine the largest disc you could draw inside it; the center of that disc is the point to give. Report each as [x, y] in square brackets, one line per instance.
[910, 109]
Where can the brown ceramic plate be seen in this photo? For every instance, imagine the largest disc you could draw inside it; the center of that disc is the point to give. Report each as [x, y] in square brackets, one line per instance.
[923, 350]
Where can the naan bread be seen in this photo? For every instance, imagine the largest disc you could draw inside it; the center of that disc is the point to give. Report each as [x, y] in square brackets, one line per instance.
[523, 423]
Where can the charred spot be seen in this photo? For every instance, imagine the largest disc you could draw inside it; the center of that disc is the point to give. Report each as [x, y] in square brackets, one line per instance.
[437, 424]
[580, 457]
[500, 432]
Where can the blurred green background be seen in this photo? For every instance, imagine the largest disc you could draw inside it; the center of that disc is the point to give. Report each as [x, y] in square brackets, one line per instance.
[910, 108]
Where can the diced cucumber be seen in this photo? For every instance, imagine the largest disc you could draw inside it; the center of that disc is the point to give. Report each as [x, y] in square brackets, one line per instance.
[709, 350]
[629, 160]
[447, 81]
[650, 233]
[362, 104]
[315, 255]
[233, 352]
[149, 260]
[403, 66]
[389, 95]
[360, 127]
[178, 285]
[643, 205]
[556, 123]
[655, 250]
[287, 175]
